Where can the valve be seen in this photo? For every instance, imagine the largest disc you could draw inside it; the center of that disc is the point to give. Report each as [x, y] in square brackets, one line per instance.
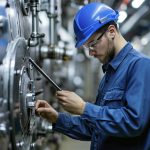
[35, 35]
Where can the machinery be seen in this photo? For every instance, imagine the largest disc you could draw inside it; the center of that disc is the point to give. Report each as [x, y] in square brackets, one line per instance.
[39, 33]
[22, 43]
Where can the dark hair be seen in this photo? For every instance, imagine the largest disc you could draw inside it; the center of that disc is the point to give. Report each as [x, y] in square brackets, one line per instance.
[105, 27]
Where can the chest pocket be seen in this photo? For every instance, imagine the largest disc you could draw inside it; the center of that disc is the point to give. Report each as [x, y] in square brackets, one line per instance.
[114, 99]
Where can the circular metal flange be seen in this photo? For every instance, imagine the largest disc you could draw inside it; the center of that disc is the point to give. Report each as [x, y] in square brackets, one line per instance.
[17, 78]
[26, 90]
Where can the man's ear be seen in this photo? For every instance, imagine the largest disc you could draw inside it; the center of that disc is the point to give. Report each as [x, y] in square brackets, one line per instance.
[112, 31]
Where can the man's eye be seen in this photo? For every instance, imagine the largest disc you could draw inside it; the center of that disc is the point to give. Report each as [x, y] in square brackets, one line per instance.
[92, 45]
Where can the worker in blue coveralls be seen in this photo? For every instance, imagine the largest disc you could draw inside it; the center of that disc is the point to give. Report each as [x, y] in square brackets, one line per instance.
[120, 117]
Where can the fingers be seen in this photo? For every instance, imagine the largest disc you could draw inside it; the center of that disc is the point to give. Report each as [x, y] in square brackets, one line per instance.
[42, 111]
[39, 113]
[39, 103]
[38, 110]
[62, 102]
[62, 98]
[62, 93]
[40, 107]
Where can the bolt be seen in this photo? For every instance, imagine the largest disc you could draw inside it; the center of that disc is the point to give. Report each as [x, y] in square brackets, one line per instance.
[20, 144]
[32, 145]
[17, 72]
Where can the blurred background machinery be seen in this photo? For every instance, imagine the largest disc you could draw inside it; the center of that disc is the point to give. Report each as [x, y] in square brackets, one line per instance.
[43, 30]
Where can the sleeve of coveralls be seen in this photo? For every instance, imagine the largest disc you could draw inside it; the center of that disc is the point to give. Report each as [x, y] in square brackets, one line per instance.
[73, 126]
[129, 120]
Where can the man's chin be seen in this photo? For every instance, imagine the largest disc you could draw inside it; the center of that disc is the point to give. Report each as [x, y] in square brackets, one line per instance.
[100, 60]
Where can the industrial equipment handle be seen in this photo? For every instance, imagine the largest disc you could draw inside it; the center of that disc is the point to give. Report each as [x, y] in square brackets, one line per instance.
[45, 75]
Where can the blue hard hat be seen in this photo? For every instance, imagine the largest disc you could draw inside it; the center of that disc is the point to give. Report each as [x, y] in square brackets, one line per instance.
[90, 18]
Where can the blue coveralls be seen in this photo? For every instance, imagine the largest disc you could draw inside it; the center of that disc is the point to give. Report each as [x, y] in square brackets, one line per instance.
[120, 117]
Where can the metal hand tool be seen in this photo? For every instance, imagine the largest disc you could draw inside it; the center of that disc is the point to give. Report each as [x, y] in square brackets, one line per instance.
[45, 75]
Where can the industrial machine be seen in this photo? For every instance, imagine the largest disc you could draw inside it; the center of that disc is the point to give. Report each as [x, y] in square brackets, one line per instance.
[39, 33]
[31, 35]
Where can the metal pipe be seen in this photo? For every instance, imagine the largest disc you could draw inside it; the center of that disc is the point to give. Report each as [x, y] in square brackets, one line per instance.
[49, 6]
[131, 22]
[35, 19]
[34, 39]
[52, 19]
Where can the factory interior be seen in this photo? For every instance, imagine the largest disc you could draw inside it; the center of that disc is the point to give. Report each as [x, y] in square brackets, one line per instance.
[39, 33]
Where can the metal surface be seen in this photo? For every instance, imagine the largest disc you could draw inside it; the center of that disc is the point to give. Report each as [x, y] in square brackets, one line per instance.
[17, 85]
[20, 83]
[132, 21]
[25, 6]
[13, 19]
[35, 35]
[23, 49]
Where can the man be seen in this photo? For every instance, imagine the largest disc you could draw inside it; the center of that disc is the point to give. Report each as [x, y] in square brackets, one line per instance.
[120, 117]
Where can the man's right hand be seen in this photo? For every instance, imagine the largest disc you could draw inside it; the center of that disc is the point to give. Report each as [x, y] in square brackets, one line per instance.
[46, 111]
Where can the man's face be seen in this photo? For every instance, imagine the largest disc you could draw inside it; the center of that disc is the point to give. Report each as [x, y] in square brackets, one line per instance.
[101, 46]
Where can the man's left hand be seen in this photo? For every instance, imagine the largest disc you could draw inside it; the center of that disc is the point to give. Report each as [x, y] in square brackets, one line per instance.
[71, 102]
